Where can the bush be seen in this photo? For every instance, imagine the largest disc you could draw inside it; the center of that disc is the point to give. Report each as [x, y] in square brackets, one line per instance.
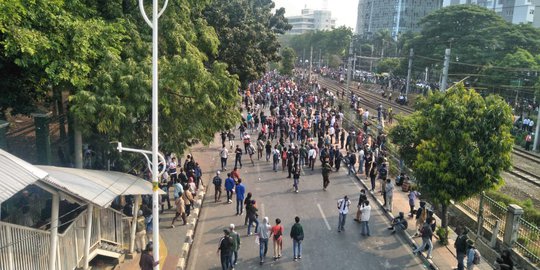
[442, 234]
[531, 214]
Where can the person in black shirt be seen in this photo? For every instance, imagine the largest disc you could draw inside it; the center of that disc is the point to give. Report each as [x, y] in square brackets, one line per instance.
[147, 258]
[226, 248]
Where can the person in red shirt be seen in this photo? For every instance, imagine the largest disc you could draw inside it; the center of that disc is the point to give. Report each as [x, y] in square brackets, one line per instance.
[276, 233]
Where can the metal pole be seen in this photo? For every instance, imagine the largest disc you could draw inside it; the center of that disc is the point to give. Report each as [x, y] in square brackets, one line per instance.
[444, 81]
[134, 224]
[310, 62]
[55, 204]
[320, 58]
[397, 21]
[155, 129]
[537, 132]
[354, 66]
[426, 76]
[87, 236]
[411, 53]
[349, 64]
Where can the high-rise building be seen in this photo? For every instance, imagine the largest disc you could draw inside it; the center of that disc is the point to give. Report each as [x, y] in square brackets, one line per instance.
[398, 16]
[514, 11]
[311, 20]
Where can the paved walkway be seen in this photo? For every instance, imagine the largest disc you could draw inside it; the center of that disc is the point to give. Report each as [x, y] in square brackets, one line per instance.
[173, 240]
[444, 257]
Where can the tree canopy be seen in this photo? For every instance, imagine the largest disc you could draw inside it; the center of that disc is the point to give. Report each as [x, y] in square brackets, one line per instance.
[247, 30]
[457, 143]
[288, 58]
[100, 51]
[331, 43]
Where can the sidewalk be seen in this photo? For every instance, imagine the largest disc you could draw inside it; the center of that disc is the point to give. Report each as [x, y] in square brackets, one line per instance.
[176, 242]
[444, 257]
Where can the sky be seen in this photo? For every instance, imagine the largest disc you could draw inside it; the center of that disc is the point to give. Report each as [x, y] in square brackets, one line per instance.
[344, 11]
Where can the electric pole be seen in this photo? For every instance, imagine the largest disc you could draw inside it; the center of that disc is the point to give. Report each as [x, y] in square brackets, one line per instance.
[310, 62]
[349, 64]
[411, 53]
[444, 81]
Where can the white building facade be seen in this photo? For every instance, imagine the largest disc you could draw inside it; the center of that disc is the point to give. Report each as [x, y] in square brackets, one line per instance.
[311, 20]
[514, 11]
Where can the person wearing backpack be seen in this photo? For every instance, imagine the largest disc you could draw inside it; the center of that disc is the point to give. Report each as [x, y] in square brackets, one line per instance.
[426, 233]
[473, 255]
[217, 186]
[461, 247]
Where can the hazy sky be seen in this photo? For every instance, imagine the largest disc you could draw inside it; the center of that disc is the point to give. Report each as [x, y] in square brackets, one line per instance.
[344, 11]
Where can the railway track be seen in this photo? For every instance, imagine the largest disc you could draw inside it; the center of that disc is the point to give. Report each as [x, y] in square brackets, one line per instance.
[372, 100]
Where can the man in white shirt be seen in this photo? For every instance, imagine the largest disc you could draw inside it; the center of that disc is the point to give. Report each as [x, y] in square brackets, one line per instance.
[364, 219]
[343, 208]
[531, 125]
[224, 155]
[312, 155]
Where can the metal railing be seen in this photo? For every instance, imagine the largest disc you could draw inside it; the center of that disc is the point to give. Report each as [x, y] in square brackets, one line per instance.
[528, 241]
[493, 212]
[28, 248]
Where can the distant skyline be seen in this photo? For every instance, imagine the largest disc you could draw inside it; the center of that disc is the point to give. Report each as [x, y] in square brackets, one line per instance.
[344, 11]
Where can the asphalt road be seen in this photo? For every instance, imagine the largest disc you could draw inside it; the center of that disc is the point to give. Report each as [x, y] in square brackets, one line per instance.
[323, 246]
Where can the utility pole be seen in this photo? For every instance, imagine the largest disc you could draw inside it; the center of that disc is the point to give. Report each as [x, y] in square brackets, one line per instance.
[444, 81]
[310, 62]
[320, 58]
[354, 66]
[537, 132]
[349, 64]
[411, 53]
[426, 75]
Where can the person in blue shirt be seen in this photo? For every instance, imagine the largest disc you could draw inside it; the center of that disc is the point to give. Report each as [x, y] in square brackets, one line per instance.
[229, 187]
[240, 192]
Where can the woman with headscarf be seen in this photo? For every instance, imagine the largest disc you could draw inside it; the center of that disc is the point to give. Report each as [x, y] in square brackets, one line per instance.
[263, 234]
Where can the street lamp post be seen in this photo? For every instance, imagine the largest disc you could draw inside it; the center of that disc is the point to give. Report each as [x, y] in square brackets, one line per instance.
[155, 143]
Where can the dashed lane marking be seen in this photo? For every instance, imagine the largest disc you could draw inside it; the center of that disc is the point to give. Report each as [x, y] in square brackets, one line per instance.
[324, 217]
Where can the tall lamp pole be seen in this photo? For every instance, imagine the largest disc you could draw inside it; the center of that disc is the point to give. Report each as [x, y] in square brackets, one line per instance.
[155, 143]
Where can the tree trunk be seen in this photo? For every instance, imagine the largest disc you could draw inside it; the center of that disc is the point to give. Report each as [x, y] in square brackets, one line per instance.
[444, 218]
[77, 151]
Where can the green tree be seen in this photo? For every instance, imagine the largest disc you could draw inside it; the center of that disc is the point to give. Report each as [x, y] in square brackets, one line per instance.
[457, 144]
[288, 58]
[247, 30]
[473, 33]
[332, 43]
[100, 52]
[388, 64]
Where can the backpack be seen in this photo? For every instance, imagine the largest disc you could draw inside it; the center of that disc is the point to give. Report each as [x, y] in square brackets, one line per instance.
[477, 257]
[276, 155]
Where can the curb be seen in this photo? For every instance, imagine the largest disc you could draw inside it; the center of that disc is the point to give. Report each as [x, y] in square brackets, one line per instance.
[390, 217]
[186, 248]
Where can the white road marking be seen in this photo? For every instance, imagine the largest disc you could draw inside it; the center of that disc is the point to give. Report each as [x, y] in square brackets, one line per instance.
[324, 217]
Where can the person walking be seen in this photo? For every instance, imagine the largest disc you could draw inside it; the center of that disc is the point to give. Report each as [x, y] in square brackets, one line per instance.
[389, 193]
[296, 177]
[240, 192]
[361, 160]
[229, 187]
[352, 162]
[275, 158]
[326, 169]
[268, 149]
[251, 213]
[238, 156]
[187, 197]
[461, 248]
[147, 258]
[236, 245]
[361, 202]
[251, 152]
[413, 195]
[364, 219]
[426, 233]
[180, 210]
[263, 234]
[277, 235]
[338, 159]
[224, 155]
[297, 235]
[225, 249]
[140, 234]
[343, 208]
[217, 187]
[312, 155]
